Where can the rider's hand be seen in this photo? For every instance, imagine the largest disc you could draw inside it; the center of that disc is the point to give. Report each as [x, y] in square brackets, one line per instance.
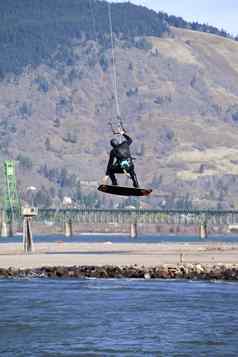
[121, 131]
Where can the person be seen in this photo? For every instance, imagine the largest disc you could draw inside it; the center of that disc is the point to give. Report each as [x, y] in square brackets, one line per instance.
[120, 160]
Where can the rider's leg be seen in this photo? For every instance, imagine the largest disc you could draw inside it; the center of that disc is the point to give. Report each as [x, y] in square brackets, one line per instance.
[134, 177]
[113, 179]
[115, 169]
[112, 176]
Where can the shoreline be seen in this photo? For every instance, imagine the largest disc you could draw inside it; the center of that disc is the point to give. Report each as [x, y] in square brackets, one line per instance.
[19, 235]
[219, 272]
[126, 254]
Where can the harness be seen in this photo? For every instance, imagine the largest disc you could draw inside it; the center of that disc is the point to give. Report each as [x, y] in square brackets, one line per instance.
[125, 164]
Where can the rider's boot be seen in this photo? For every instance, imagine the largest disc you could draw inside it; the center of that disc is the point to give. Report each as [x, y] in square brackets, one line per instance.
[114, 180]
[134, 180]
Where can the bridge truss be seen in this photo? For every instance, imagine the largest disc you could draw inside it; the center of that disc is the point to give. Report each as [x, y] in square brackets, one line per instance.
[126, 216]
[12, 206]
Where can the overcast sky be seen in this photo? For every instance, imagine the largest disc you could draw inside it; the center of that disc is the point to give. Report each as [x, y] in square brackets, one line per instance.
[219, 13]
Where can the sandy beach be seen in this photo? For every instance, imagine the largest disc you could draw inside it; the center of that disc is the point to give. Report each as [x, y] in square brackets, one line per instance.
[120, 254]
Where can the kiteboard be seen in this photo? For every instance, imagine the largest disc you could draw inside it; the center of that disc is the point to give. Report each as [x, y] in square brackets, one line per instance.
[124, 191]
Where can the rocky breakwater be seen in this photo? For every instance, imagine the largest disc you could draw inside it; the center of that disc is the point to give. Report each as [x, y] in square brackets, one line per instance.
[180, 271]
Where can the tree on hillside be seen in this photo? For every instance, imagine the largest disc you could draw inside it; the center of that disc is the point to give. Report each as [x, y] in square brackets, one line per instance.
[31, 30]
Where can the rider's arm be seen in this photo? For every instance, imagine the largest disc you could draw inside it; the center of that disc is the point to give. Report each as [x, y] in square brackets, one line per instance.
[110, 162]
[128, 139]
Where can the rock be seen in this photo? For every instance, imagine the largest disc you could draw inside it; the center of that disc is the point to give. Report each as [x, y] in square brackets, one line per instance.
[3, 272]
[60, 272]
[163, 273]
[199, 269]
[185, 271]
[147, 276]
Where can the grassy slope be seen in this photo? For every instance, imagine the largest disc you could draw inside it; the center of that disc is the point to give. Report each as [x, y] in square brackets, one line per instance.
[179, 116]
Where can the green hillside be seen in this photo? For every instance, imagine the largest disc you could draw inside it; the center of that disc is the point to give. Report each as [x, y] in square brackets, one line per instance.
[32, 30]
[177, 93]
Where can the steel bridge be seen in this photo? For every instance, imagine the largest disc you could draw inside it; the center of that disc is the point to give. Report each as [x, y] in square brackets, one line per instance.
[139, 216]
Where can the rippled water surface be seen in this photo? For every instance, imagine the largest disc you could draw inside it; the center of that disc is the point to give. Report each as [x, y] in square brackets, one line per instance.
[47, 317]
[117, 238]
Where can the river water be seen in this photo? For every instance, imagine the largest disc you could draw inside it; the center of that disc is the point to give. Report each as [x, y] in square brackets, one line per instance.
[98, 317]
[117, 238]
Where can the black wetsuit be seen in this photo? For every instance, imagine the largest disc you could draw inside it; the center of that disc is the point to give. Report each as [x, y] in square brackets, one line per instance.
[120, 161]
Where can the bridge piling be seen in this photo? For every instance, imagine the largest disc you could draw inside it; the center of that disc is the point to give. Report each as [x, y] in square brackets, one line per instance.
[6, 227]
[203, 230]
[68, 228]
[133, 230]
[4, 230]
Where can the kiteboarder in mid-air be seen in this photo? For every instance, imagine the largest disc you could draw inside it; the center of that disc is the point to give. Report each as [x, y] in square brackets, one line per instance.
[120, 160]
